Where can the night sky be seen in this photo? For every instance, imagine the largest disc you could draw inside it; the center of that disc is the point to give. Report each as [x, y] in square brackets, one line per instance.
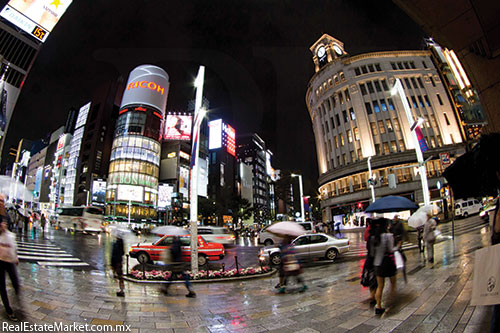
[256, 54]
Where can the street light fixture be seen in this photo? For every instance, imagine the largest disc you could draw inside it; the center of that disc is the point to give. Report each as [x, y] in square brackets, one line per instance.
[398, 89]
[301, 196]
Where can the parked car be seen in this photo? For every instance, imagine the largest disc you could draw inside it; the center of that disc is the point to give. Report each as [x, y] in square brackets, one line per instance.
[308, 246]
[145, 252]
[217, 235]
[267, 238]
[464, 208]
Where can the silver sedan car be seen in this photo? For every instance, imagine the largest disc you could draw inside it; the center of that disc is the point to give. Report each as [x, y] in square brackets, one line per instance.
[308, 246]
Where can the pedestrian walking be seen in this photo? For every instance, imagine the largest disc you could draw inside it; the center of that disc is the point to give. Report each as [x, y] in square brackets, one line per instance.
[8, 262]
[420, 231]
[43, 223]
[399, 233]
[34, 223]
[430, 237]
[117, 253]
[19, 222]
[495, 239]
[291, 267]
[368, 277]
[178, 267]
[384, 261]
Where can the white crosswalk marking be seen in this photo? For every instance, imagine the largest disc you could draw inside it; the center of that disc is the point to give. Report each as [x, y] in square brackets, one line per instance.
[45, 253]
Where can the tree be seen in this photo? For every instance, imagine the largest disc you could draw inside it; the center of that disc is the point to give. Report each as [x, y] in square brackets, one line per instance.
[206, 207]
[241, 208]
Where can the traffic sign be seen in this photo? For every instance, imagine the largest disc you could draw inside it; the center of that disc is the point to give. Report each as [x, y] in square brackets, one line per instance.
[445, 159]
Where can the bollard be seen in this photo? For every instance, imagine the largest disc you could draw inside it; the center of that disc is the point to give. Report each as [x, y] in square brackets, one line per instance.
[223, 267]
[206, 268]
[127, 255]
[237, 269]
[143, 271]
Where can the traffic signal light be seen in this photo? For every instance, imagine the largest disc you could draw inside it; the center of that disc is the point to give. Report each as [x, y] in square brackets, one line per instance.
[360, 205]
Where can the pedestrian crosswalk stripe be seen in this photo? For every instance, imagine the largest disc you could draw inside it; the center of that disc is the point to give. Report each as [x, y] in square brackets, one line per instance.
[63, 254]
[49, 263]
[48, 258]
[41, 250]
[38, 246]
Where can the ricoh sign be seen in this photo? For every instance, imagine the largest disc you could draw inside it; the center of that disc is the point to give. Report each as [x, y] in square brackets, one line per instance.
[148, 85]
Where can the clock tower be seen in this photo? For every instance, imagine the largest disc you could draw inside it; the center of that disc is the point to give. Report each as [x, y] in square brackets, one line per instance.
[325, 50]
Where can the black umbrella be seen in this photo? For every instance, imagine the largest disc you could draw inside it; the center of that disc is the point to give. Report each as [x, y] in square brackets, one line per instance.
[391, 203]
[474, 173]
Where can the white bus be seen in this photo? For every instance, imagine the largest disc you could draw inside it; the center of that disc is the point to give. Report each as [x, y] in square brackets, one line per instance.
[87, 219]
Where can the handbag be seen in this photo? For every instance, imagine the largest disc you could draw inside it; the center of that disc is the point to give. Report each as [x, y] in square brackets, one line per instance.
[399, 260]
[486, 280]
[436, 233]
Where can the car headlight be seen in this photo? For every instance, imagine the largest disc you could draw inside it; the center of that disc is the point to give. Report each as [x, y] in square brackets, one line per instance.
[482, 213]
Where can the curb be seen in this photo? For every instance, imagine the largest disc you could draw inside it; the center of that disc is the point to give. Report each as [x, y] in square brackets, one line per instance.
[229, 279]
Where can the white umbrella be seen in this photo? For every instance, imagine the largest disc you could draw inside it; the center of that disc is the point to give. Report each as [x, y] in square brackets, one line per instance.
[170, 230]
[418, 218]
[287, 228]
[119, 231]
[14, 189]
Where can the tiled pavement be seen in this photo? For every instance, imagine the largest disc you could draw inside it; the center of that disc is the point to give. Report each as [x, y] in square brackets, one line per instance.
[435, 299]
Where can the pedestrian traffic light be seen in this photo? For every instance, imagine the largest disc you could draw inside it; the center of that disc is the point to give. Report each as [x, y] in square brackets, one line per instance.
[360, 205]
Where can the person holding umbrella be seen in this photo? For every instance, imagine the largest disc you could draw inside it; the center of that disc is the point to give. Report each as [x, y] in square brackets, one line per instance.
[117, 253]
[430, 237]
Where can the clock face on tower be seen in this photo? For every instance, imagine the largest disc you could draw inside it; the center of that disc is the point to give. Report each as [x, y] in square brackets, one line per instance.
[321, 52]
[337, 50]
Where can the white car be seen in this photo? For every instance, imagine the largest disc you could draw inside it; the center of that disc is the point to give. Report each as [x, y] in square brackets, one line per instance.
[268, 238]
[216, 235]
[464, 208]
[308, 246]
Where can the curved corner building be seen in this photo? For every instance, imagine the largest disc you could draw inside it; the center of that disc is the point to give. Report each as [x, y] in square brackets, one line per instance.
[354, 117]
[135, 154]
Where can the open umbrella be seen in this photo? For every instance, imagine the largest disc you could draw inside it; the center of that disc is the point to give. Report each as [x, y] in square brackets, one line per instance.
[287, 228]
[14, 189]
[391, 203]
[170, 230]
[474, 173]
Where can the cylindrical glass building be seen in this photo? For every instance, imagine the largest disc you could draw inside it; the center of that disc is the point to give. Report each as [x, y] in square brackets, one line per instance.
[132, 187]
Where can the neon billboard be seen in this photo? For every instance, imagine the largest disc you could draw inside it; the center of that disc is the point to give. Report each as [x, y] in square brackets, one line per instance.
[178, 127]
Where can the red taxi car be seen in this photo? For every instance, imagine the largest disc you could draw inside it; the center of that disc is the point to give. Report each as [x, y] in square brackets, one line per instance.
[152, 252]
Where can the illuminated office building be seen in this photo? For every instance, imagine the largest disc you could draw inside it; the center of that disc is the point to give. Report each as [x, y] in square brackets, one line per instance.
[355, 117]
[135, 154]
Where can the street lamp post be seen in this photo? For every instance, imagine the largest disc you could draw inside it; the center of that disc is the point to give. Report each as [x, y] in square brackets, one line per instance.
[398, 89]
[199, 114]
[371, 178]
[301, 196]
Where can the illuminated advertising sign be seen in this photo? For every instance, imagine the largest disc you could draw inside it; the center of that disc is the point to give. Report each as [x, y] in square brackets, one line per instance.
[130, 193]
[36, 17]
[8, 98]
[165, 195]
[98, 191]
[203, 177]
[184, 181]
[178, 127]
[148, 85]
[221, 134]
[214, 134]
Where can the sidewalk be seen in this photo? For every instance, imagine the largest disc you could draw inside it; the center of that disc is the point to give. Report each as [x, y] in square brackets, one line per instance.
[435, 299]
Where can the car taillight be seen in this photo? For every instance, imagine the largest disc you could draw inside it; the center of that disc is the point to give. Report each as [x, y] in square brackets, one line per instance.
[348, 242]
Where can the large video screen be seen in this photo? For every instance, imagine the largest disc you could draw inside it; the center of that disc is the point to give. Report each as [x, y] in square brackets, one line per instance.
[165, 195]
[98, 191]
[178, 127]
[36, 17]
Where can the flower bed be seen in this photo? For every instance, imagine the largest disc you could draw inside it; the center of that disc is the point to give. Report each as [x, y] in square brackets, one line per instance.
[212, 274]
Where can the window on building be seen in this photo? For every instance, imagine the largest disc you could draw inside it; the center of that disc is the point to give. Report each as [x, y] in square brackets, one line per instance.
[427, 123]
[377, 85]
[388, 124]
[384, 85]
[344, 114]
[344, 158]
[420, 83]
[337, 118]
[327, 127]
[452, 138]
[363, 89]
[412, 65]
[424, 64]
[377, 67]
[407, 83]
[336, 79]
[407, 65]
[408, 100]
[356, 133]
[394, 146]
[368, 108]
[401, 145]
[374, 128]
[414, 83]
[433, 121]
[427, 101]
[395, 122]
[336, 141]
[420, 101]
[330, 83]
[376, 107]
[433, 142]
[377, 149]
[349, 136]
[353, 157]
[342, 77]
[393, 65]
[391, 104]
[364, 70]
[400, 65]
[446, 118]
[357, 71]
[333, 101]
[370, 68]
[414, 101]
[383, 105]
[342, 140]
[352, 114]
[432, 81]
[329, 145]
[341, 97]
[439, 99]
[347, 95]
[338, 160]
[381, 126]
[360, 154]
[439, 140]
[370, 87]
